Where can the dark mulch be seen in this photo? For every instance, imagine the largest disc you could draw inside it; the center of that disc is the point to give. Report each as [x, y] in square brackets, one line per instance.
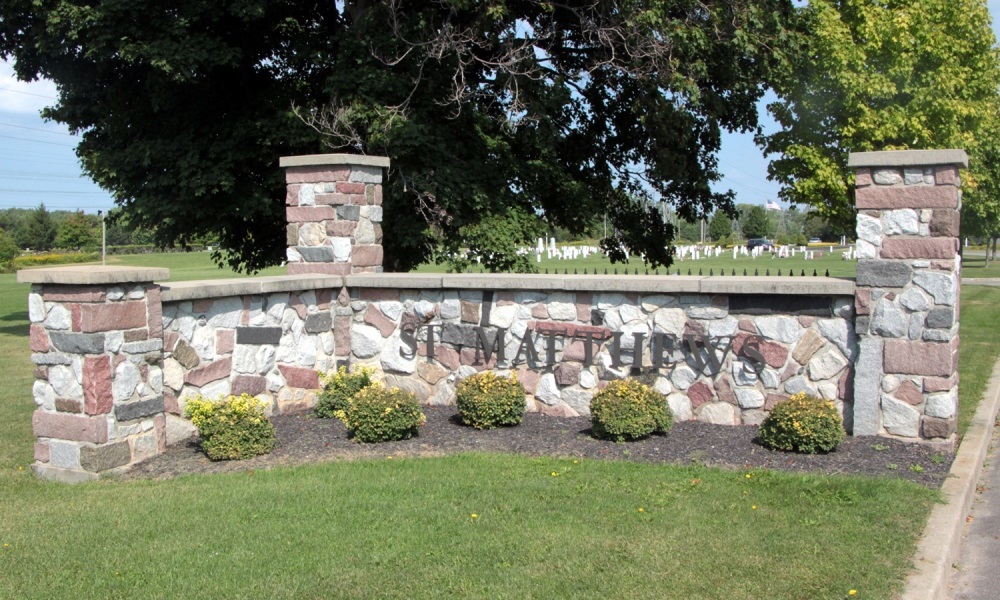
[304, 439]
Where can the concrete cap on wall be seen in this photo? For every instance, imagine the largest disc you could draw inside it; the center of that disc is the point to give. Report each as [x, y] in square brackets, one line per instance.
[92, 275]
[312, 160]
[907, 158]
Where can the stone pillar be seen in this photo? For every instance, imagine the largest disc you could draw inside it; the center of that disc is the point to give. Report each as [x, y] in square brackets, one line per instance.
[97, 345]
[334, 209]
[908, 280]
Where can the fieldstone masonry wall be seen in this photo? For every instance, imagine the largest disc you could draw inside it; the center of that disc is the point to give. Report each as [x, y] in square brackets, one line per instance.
[117, 356]
[96, 342]
[334, 209]
[907, 299]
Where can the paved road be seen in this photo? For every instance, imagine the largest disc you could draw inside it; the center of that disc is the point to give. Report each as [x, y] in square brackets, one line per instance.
[978, 574]
[985, 281]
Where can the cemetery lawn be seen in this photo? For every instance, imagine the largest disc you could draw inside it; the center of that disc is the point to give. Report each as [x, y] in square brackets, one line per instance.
[404, 528]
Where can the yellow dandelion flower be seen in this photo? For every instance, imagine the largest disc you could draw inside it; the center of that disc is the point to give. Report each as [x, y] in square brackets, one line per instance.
[473, 516]
[555, 473]
[748, 476]
[754, 507]
[852, 593]
[641, 509]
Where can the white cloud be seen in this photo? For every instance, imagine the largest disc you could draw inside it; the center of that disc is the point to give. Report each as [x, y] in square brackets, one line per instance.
[25, 98]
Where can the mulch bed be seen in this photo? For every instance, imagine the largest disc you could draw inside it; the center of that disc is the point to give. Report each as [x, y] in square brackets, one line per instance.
[302, 438]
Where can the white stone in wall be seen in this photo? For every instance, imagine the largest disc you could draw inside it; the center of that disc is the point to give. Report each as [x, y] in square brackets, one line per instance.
[627, 312]
[287, 351]
[307, 351]
[391, 309]
[612, 320]
[244, 359]
[76, 363]
[265, 358]
[783, 329]
[744, 373]
[770, 378]
[424, 310]
[940, 286]
[173, 374]
[36, 308]
[606, 371]
[225, 312]
[288, 317]
[606, 301]
[308, 298]
[217, 389]
[890, 383]
[203, 342]
[717, 413]
[63, 454]
[838, 332]
[799, 384]
[115, 293]
[43, 394]
[827, 390]
[662, 385]
[651, 304]
[307, 195]
[578, 400]
[628, 330]
[941, 405]
[366, 341]
[588, 380]
[275, 380]
[865, 249]
[669, 320]
[185, 326]
[451, 308]
[58, 317]
[548, 390]
[706, 311]
[899, 418]
[683, 377]
[113, 341]
[394, 356]
[326, 340]
[826, 364]
[900, 222]
[722, 327]
[126, 379]
[136, 292]
[888, 320]
[156, 379]
[311, 234]
[117, 431]
[869, 229]
[680, 407]
[749, 398]
[364, 233]
[503, 316]
[887, 177]
[259, 320]
[465, 371]
[843, 307]
[64, 382]
[914, 299]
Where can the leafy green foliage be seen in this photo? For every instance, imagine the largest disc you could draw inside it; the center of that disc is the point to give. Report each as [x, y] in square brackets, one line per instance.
[78, 231]
[756, 224]
[486, 400]
[377, 414]
[720, 227]
[803, 424]
[232, 428]
[629, 410]
[493, 243]
[8, 250]
[564, 111]
[338, 389]
[40, 231]
[876, 76]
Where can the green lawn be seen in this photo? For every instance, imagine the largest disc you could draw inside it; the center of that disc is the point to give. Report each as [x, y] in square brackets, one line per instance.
[403, 528]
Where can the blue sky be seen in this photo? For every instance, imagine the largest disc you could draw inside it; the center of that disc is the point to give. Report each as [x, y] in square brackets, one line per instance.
[37, 163]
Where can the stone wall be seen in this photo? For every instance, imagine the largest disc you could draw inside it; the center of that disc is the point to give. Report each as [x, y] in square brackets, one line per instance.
[908, 284]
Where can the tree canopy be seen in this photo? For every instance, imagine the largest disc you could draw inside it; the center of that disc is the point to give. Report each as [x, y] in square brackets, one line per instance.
[878, 75]
[486, 109]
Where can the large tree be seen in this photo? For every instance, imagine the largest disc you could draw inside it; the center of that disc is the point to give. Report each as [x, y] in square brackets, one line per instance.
[878, 75]
[565, 110]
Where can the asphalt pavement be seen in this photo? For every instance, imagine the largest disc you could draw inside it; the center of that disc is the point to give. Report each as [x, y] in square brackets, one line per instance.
[976, 576]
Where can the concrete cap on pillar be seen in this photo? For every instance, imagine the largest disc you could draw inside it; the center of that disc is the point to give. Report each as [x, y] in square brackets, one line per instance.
[92, 275]
[312, 160]
[907, 158]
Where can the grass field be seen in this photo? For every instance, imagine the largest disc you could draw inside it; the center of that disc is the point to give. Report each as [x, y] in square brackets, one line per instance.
[404, 528]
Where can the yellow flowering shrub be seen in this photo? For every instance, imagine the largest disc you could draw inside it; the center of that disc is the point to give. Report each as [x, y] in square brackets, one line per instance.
[803, 424]
[338, 389]
[629, 410]
[486, 400]
[231, 428]
[377, 414]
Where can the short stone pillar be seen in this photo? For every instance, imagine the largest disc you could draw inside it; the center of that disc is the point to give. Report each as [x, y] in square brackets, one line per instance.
[334, 209]
[97, 345]
[907, 295]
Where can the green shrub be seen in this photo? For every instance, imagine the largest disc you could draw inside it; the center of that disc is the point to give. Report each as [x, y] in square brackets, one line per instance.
[629, 410]
[377, 414]
[231, 428]
[486, 401]
[339, 388]
[803, 424]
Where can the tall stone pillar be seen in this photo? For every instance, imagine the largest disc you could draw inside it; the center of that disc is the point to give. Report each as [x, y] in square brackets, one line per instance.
[907, 295]
[97, 345]
[334, 209]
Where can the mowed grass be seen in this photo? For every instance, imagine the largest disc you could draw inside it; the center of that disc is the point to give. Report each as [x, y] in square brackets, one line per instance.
[980, 346]
[403, 528]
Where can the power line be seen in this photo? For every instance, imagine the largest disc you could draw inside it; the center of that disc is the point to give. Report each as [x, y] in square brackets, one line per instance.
[26, 93]
[37, 129]
[52, 192]
[37, 141]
